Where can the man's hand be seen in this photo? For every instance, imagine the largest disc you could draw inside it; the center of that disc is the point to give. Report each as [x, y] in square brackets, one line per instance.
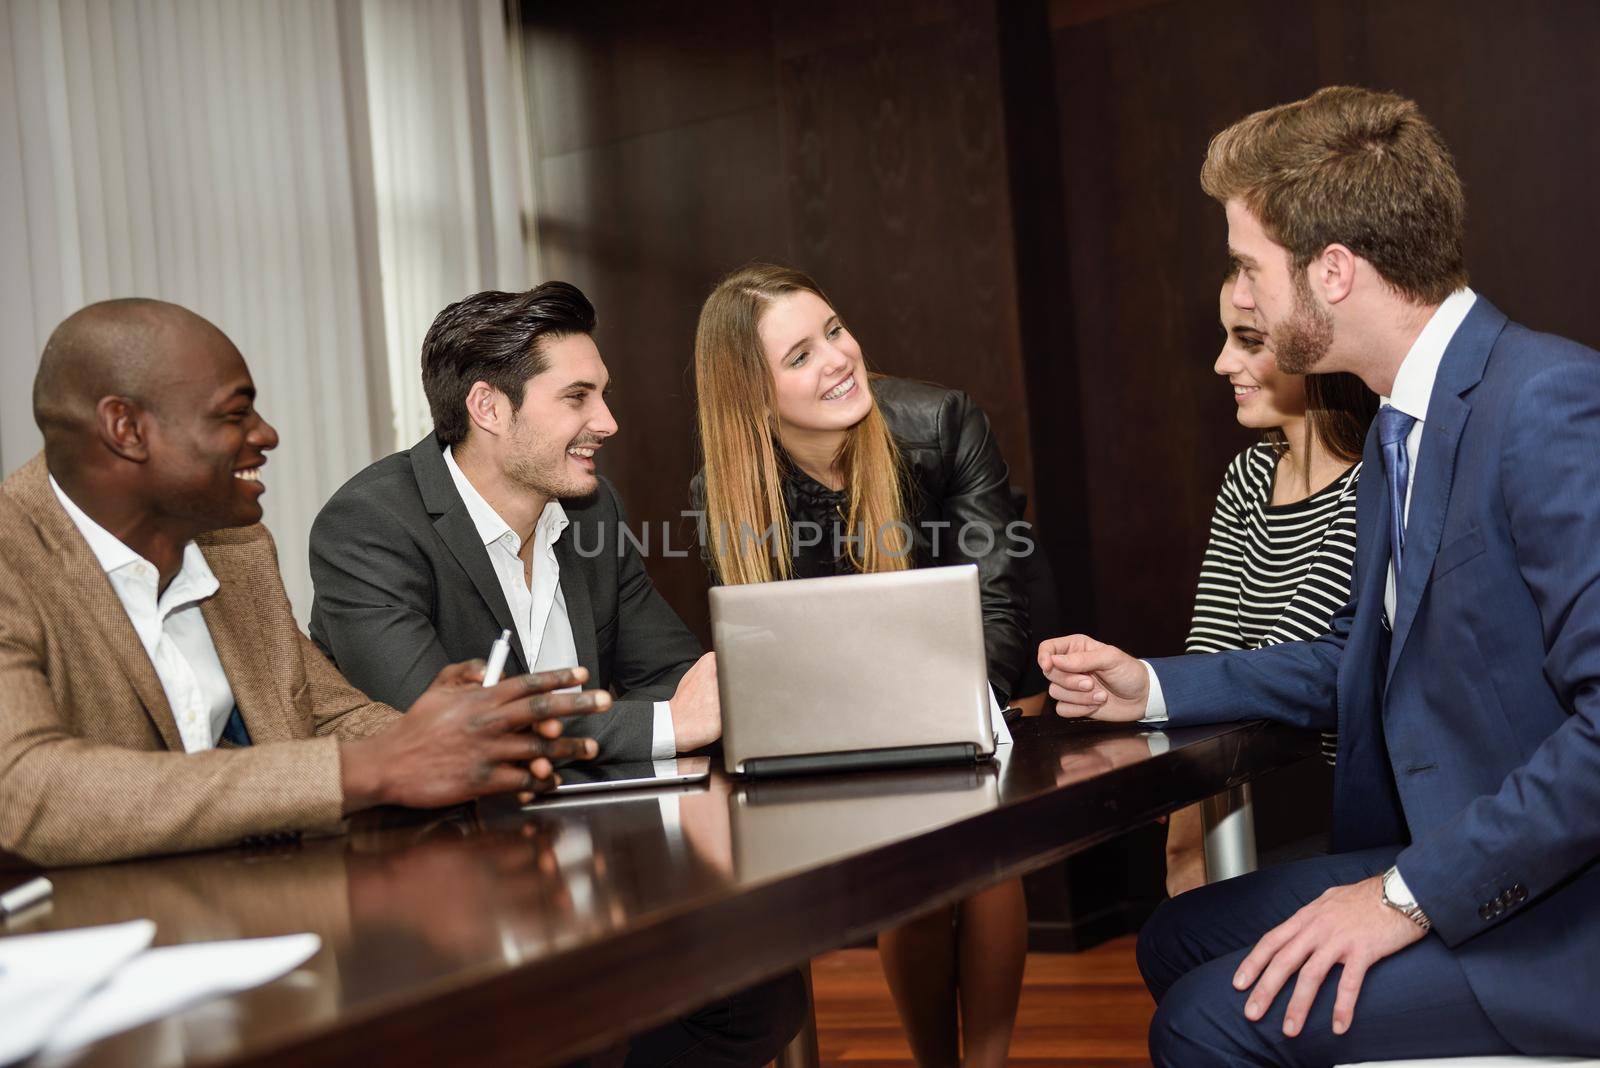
[1094, 680]
[696, 709]
[461, 741]
[1348, 925]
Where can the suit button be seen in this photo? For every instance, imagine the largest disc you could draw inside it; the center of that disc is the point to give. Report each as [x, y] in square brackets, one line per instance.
[1519, 894]
[1505, 899]
[1486, 912]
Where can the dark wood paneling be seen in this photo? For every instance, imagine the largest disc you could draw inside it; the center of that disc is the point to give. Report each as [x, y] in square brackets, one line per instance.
[1059, 505]
[608, 71]
[894, 158]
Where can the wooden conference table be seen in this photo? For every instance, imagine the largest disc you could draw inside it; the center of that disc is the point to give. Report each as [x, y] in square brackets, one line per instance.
[491, 936]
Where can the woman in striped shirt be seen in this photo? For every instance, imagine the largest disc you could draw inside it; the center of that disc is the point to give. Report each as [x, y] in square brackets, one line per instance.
[1283, 536]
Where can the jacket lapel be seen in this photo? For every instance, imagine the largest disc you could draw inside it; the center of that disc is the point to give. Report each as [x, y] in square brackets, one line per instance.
[231, 616]
[580, 611]
[1430, 496]
[455, 526]
[89, 589]
[1460, 370]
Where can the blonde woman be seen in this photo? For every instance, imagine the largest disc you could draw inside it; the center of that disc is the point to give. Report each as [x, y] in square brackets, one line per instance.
[860, 473]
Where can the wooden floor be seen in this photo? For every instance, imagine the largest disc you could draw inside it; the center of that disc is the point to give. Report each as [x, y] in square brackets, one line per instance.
[1079, 1010]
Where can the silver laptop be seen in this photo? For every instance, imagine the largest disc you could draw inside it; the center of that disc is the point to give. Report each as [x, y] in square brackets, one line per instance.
[851, 672]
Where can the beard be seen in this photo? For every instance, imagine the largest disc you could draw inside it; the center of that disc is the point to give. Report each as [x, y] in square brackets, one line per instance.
[1300, 343]
[540, 464]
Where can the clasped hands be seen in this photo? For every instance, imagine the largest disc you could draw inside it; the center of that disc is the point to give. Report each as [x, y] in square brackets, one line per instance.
[1347, 925]
[462, 740]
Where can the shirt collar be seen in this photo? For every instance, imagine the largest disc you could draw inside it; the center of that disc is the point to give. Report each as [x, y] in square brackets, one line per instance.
[195, 581]
[112, 552]
[1413, 383]
[489, 523]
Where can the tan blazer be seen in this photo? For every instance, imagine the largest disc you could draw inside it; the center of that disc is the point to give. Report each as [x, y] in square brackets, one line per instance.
[91, 764]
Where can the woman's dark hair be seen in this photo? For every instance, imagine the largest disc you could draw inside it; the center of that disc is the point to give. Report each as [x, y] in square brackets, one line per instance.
[497, 338]
[1339, 409]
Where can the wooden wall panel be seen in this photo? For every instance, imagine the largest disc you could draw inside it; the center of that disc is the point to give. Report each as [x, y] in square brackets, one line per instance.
[894, 158]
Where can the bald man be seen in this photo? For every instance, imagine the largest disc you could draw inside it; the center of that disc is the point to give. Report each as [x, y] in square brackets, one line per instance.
[155, 693]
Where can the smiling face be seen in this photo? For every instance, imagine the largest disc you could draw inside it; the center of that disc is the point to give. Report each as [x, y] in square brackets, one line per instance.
[1297, 329]
[552, 439]
[207, 442]
[819, 380]
[1266, 397]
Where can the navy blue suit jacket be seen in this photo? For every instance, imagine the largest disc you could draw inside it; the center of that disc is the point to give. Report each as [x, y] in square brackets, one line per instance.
[1472, 734]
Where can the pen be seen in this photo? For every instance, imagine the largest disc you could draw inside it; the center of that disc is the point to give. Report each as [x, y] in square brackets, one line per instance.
[29, 893]
[497, 658]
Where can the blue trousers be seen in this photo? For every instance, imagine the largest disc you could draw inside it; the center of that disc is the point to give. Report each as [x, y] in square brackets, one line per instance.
[1415, 1003]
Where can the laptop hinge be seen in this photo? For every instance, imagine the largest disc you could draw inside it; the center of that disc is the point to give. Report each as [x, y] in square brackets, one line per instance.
[862, 759]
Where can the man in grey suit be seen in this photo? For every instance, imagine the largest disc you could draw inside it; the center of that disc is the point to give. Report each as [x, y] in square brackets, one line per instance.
[497, 521]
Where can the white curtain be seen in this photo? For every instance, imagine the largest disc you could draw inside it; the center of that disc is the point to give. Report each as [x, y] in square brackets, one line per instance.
[451, 172]
[280, 167]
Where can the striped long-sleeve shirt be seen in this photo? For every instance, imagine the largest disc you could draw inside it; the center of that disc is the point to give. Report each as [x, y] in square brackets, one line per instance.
[1273, 573]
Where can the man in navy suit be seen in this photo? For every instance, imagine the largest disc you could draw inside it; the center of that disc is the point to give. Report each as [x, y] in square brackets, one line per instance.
[1464, 674]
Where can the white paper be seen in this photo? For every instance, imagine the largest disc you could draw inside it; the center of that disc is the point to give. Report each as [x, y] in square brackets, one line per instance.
[167, 980]
[44, 977]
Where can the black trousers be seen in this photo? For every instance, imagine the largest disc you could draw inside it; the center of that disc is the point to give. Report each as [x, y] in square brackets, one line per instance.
[745, 1030]
[1415, 1003]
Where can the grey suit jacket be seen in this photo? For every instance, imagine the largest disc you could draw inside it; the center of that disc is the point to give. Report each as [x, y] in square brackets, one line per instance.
[404, 586]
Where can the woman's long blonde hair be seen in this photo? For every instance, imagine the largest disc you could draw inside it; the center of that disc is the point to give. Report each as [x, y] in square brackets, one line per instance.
[747, 524]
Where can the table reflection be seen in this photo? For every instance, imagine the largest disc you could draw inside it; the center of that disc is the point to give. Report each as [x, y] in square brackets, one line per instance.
[1107, 754]
[783, 825]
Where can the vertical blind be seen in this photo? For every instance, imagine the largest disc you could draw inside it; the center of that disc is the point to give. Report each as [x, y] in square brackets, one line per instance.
[315, 178]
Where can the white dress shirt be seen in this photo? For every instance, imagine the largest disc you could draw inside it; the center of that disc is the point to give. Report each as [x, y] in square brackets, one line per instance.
[170, 627]
[540, 610]
[1413, 387]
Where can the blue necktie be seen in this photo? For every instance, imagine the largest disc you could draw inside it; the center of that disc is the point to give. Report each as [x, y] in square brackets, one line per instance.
[1393, 426]
[235, 731]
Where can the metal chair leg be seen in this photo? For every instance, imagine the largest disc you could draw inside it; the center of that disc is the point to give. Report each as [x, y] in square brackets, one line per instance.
[1230, 834]
[801, 1052]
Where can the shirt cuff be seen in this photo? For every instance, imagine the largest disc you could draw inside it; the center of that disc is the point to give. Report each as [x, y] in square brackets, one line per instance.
[1155, 708]
[663, 739]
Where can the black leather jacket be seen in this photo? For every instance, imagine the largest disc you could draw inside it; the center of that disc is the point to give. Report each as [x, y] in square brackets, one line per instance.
[959, 505]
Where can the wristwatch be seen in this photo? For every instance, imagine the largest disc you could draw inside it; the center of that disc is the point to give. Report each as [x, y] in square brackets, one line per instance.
[1398, 897]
